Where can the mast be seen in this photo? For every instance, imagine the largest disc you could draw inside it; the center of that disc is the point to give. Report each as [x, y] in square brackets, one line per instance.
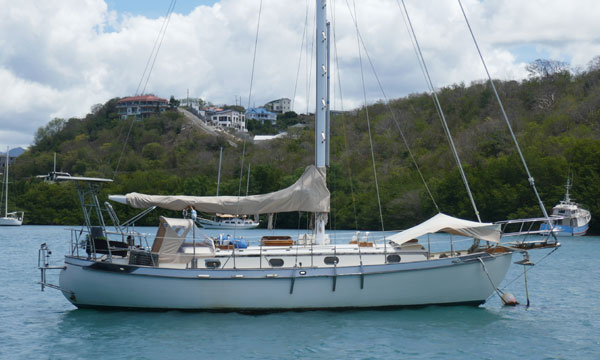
[568, 186]
[6, 185]
[248, 180]
[321, 88]
[219, 173]
[322, 106]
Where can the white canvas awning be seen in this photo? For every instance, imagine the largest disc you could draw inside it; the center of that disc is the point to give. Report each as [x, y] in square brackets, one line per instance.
[308, 194]
[452, 225]
[171, 236]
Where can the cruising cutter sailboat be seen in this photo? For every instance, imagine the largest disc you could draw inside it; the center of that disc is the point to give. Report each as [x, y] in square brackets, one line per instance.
[183, 269]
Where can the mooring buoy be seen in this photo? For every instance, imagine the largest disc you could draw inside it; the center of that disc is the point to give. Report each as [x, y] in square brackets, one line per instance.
[509, 299]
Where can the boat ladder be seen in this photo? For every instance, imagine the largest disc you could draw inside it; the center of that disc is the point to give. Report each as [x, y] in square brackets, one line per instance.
[43, 255]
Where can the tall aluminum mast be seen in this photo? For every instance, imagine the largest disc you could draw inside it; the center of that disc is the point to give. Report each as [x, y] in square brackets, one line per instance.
[322, 106]
[321, 81]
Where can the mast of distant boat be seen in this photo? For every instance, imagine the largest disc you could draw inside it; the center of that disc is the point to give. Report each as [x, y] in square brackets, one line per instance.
[6, 184]
[568, 187]
[322, 107]
[219, 173]
[248, 181]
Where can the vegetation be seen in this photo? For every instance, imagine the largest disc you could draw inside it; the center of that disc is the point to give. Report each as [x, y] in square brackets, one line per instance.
[555, 114]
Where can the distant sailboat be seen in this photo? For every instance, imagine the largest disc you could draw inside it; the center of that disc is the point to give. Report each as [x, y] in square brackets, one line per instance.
[14, 218]
[227, 221]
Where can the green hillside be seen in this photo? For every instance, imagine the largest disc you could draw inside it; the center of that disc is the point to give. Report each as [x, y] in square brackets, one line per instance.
[556, 117]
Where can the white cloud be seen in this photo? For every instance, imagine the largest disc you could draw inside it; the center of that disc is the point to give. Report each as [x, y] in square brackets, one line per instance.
[59, 58]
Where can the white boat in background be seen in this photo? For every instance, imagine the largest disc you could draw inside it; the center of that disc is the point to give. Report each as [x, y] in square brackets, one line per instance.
[568, 217]
[227, 222]
[14, 218]
[182, 268]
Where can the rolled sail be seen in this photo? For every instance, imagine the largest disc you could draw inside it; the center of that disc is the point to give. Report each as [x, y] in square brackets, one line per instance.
[308, 194]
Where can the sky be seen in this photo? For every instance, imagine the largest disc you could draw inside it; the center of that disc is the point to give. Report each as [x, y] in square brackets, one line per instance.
[60, 58]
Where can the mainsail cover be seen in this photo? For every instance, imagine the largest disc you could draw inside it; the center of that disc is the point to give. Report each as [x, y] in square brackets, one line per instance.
[449, 224]
[308, 194]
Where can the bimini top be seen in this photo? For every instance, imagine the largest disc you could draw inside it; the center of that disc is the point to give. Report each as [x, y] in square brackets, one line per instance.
[452, 225]
[308, 194]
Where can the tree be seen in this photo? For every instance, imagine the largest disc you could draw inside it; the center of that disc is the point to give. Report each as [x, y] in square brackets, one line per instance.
[594, 64]
[173, 102]
[287, 119]
[237, 108]
[51, 129]
[542, 68]
[152, 151]
[95, 108]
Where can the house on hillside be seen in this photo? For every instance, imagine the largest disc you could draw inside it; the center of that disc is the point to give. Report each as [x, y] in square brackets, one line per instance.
[229, 119]
[261, 114]
[280, 106]
[141, 106]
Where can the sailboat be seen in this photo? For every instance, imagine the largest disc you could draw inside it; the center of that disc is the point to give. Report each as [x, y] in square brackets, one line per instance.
[227, 221]
[182, 268]
[14, 218]
[568, 217]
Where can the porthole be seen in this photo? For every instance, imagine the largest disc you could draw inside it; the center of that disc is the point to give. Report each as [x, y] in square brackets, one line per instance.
[276, 262]
[331, 260]
[393, 258]
[212, 263]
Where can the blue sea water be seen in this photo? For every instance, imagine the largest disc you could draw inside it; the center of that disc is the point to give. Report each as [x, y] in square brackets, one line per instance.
[563, 321]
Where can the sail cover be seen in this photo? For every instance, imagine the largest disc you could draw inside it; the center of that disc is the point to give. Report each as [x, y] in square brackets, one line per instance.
[309, 194]
[449, 224]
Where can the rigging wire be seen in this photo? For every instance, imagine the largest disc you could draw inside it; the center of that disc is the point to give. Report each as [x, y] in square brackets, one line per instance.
[308, 64]
[158, 49]
[341, 117]
[249, 102]
[397, 123]
[163, 29]
[355, 18]
[442, 117]
[412, 41]
[529, 177]
[300, 57]
[537, 263]
[254, 56]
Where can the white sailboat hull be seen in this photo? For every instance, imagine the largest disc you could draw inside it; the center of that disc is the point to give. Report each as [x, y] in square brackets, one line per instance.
[445, 281]
[10, 221]
[241, 225]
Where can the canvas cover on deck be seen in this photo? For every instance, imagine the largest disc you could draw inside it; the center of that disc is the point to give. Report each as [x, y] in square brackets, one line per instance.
[171, 235]
[309, 194]
[449, 224]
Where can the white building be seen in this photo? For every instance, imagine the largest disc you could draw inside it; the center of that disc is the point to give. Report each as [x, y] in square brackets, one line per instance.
[229, 119]
[141, 106]
[281, 106]
[259, 138]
